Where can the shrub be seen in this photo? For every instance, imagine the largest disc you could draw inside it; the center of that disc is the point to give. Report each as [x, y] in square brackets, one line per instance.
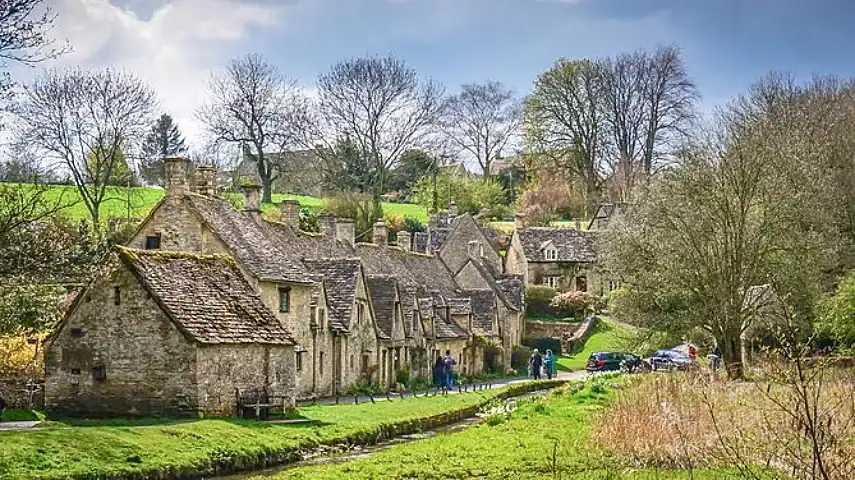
[402, 375]
[309, 221]
[544, 344]
[519, 358]
[470, 195]
[412, 224]
[576, 304]
[17, 354]
[538, 300]
[363, 210]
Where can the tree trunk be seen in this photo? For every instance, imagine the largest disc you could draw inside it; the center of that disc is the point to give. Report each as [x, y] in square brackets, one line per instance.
[266, 189]
[731, 352]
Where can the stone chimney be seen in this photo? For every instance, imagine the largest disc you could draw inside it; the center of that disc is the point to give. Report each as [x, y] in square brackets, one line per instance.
[176, 176]
[345, 230]
[252, 198]
[519, 221]
[452, 211]
[475, 249]
[433, 220]
[205, 180]
[380, 235]
[326, 224]
[290, 213]
[405, 240]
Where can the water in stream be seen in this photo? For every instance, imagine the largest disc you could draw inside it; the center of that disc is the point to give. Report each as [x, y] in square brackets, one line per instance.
[341, 454]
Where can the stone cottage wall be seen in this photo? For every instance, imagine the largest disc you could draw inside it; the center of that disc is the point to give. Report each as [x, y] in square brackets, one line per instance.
[148, 364]
[224, 368]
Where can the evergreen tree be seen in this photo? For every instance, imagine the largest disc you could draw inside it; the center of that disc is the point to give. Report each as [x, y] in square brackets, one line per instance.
[164, 140]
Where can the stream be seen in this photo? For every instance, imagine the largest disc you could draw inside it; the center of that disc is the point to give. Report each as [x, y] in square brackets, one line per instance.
[343, 453]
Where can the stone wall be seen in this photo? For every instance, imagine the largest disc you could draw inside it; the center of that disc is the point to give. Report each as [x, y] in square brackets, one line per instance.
[15, 391]
[535, 329]
[224, 368]
[149, 365]
[179, 228]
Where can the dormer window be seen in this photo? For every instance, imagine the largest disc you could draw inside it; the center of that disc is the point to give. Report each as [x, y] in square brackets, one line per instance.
[550, 253]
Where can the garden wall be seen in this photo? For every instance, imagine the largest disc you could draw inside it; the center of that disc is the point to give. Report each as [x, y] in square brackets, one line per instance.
[536, 329]
[15, 391]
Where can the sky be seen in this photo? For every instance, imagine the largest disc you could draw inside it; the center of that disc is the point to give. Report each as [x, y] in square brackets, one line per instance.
[174, 45]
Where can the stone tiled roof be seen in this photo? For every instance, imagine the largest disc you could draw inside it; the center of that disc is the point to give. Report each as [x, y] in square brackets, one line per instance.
[427, 274]
[573, 245]
[420, 242]
[483, 309]
[460, 306]
[512, 287]
[206, 296]
[383, 290]
[340, 279]
[305, 245]
[249, 241]
[448, 329]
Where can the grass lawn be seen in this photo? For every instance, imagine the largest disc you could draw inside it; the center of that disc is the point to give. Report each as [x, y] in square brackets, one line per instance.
[606, 335]
[545, 437]
[115, 448]
[139, 201]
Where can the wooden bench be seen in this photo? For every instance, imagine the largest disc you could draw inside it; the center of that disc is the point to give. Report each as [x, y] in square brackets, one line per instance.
[259, 404]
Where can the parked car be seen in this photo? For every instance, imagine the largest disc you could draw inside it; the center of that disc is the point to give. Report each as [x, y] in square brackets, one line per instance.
[633, 363]
[670, 360]
[609, 361]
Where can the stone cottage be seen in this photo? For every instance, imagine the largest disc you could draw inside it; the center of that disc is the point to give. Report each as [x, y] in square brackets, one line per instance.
[166, 333]
[562, 258]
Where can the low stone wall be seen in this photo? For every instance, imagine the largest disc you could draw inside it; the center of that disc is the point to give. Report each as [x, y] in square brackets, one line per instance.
[536, 329]
[569, 342]
[16, 393]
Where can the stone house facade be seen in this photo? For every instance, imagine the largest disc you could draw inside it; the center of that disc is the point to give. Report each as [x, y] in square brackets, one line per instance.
[166, 333]
[562, 258]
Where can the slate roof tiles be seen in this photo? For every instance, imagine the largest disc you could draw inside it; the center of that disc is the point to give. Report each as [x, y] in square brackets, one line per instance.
[573, 245]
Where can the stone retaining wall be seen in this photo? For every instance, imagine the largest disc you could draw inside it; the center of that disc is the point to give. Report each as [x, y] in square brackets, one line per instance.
[15, 392]
[536, 329]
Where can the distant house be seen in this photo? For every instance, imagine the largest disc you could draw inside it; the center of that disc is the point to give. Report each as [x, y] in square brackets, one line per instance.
[562, 258]
[159, 333]
[455, 170]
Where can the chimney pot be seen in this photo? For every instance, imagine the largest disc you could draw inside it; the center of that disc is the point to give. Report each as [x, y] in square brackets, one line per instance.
[252, 198]
[290, 213]
[345, 230]
[433, 219]
[519, 221]
[380, 234]
[176, 176]
[475, 249]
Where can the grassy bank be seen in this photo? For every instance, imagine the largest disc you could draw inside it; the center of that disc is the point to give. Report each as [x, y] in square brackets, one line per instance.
[547, 437]
[606, 335]
[203, 447]
[138, 201]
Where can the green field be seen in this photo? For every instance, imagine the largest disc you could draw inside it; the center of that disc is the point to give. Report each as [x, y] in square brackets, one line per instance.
[149, 448]
[545, 437]
[138, 201]
[606, 335]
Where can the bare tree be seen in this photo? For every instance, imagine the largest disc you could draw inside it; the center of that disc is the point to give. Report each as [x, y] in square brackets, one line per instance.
[481, 120]
[380, 105]
[24, 27]
[564, 122]
[648, 102]
[256, 105]
[88, 122]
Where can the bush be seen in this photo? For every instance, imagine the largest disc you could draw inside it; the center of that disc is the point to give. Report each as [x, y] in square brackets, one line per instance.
[538, 300]
[412, 224]
[17, 354]
[363, 210]
[575, 304]
[519, 358]
[469, 195]
[402, 375]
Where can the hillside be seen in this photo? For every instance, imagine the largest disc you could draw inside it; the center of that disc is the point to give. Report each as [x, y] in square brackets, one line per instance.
[605, 335]
[138, 201]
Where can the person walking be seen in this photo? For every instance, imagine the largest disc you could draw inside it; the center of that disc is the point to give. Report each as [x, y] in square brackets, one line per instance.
[438, 367]
[693, 352]
[448, 364]
[535, 362]
[715, 357]
[548, 360]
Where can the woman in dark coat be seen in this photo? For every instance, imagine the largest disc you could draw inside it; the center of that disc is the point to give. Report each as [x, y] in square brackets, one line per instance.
[438, 380]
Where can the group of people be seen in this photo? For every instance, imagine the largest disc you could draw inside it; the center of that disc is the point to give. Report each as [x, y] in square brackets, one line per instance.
[541, 365]
[714, 356]
[443, 371]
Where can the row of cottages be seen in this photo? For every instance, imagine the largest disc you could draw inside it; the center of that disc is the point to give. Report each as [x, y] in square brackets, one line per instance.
[243, 303]
[563, 258]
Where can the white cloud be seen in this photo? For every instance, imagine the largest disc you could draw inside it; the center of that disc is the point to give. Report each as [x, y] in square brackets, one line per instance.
[173, 49]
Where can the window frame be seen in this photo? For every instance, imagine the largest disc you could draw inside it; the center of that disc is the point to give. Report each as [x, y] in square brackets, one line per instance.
[153, 237]
[284, 307]
[551, 281]
[550, 253]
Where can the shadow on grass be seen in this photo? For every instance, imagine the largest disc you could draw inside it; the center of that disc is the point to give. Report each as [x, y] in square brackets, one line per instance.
[21, 415]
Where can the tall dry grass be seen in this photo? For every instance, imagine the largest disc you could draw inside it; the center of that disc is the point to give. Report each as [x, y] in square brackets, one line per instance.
[688, 421]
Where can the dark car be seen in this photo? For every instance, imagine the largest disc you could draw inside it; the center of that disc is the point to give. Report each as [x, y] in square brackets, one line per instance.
[609, 361]
[633, 363]
[670, 360]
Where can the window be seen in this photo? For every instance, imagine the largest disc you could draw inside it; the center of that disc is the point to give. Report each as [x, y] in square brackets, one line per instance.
[75, 371]
[76, 332]
[284, 299]
[99, 373]
[152, 242]
[321, 362]
[299, 361]
[551, 281]
[581, 284]
[117, 296]
[551, 253]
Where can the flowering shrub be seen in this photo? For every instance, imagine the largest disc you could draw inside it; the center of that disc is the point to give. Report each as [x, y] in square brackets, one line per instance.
[576, 304]
[17, 354]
